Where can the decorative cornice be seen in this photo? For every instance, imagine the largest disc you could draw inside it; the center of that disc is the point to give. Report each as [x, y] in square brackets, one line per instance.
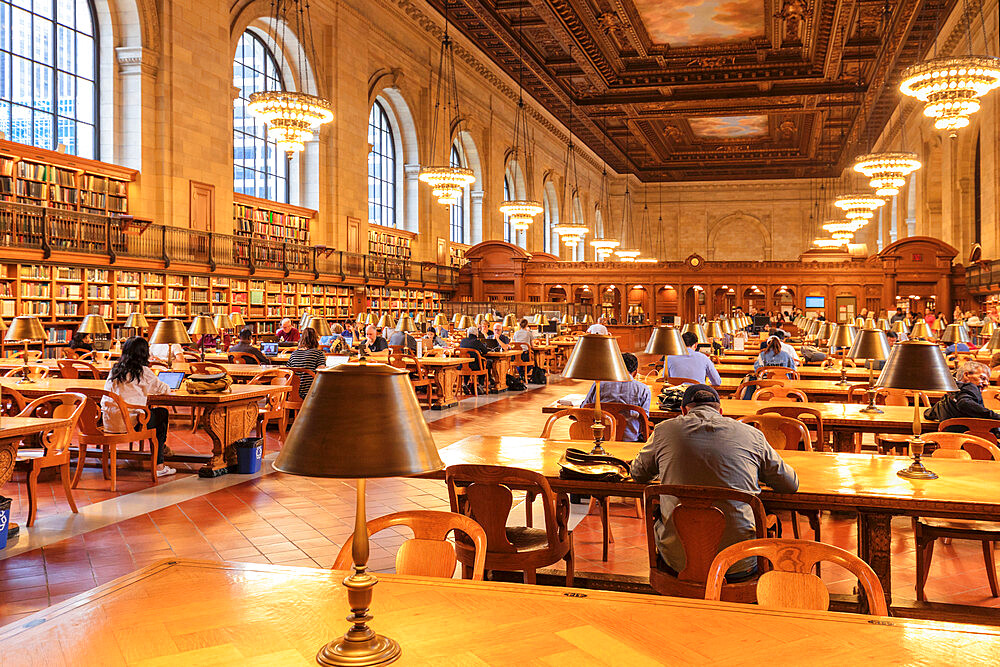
[137, 60]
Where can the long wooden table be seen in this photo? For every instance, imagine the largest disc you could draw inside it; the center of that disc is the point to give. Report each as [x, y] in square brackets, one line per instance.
[280, 616]
[730, 369]
[863, 483]
[818, 391]
[239, 372]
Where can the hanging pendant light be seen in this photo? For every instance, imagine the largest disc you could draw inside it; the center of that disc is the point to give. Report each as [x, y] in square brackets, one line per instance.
[291, 116]
[829, 243]
[858, 206]
[573, 234]
[627, 252]
[951, 87]
[887, 171]
[447, 181]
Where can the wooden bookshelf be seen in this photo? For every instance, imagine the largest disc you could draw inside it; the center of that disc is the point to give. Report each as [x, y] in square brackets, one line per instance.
[390, 242]
[456, 254]
[395, 301]
[266, 220]
[30, 175]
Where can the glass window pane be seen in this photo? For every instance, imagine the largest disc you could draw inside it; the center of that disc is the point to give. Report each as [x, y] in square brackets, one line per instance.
[22, 37]
[86, 140]
[43, 8]
[65, 12]
[43, 129]
[43, 88]
[65, 49]
[84, 99]
[85, 57]
[381, 169]
[20, 130]
[84, 17]
[42, 42]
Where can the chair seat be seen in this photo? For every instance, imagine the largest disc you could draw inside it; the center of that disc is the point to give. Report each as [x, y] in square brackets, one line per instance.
[960, 525]
[527, 539]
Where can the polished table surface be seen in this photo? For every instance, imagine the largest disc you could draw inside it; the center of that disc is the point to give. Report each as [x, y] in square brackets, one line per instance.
[238, 371]
[825, 390]
[731, 369]
[199, 613]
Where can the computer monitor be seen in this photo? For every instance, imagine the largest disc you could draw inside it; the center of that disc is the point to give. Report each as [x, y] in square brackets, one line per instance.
[172, 379]
[269, 349]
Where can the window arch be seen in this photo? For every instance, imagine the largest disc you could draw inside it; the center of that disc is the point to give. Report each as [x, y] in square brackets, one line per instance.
[381, 168]
[259, 168]
[459, 210]
[48, 70]
[550, 213]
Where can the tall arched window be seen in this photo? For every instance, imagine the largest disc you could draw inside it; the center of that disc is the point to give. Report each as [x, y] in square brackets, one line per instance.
[458, 208]
[508, 233]
[547, 244]
[48, 66]
[259, 168]
[381, 169]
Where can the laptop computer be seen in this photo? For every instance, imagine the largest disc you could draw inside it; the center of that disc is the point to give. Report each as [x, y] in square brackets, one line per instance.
[269, 349]
[334, 361]
[172, 379]
[324, 341]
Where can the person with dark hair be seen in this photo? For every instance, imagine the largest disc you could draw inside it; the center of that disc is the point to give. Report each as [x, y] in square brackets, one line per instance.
[133, 380]
[246, 346]
[306, 355]
[631, 392]
[694, 365]
[703, 448]
[81, 343]
[774, 355]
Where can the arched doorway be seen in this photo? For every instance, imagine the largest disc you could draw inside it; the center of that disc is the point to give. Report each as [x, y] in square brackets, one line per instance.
[584, 296]
[557, 294]
[694, 303]
[666, 304]
[638, 305]
[611, 303]
[723, 301]
[753, 297]
[784, 299]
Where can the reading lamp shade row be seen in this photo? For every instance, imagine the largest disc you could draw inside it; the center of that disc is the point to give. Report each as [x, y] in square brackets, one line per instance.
[870, 344]
[596, 357]
[25, 327]
[350, 443]
[666, 340]
[918, 366]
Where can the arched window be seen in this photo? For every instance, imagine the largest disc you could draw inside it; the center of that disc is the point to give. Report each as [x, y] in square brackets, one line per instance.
[259, 168]
[458, 208]
[48, 66]
[547, 225]
[381, 169]
[508, 233]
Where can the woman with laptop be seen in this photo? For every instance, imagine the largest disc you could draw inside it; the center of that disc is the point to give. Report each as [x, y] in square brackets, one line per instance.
[133, 380]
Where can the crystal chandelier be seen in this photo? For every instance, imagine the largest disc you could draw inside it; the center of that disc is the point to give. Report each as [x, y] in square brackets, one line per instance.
[887, 171]
[291, 116]
[447, 181]
[571, 235]
[951, 87]
[829, 243]
[842, 227]
[858, 206]
[520, 213]
[603, 248]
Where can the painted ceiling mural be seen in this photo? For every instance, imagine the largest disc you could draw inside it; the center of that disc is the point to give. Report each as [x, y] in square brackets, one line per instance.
[729, 127]
[700, 22]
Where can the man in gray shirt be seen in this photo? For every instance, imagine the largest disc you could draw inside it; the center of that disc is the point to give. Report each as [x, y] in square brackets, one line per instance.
[703, 448]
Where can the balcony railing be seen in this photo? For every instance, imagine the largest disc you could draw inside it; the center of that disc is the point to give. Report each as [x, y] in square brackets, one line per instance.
[51, 229]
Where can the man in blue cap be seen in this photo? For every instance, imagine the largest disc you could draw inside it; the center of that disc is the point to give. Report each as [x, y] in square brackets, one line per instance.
[703, 448]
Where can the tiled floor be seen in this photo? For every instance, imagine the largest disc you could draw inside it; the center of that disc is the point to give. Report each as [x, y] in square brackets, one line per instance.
[299, 521]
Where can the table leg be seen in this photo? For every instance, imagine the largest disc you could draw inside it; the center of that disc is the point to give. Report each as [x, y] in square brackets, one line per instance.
[446, 381]
[843, 442]
[498, 374]
[225, 424]
[875, 547]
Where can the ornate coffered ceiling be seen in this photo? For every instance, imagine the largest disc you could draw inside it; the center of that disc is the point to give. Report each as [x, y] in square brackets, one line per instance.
[711, 89]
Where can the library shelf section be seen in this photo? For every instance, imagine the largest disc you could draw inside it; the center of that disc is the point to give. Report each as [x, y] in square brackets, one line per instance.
[266, 220]
[390, 242]
[456, 257]
[41, 177]
[401, 300]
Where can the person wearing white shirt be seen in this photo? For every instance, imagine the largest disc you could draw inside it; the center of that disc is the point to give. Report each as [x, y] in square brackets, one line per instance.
[599, 327]
[133, 380]
[166, 352]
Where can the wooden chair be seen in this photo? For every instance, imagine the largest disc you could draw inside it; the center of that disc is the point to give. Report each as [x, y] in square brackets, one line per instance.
[420, 379]
[579, 426]
[790, 584]
[485, 494]
[274, 406]
[11, 402]
[205, 367]
[769, 372]
[976, 447]
[466, 371]
[428, 553]
[191, 356]
[68, 353]
[94, 433]
[677, 381]
[926, 530]
[813, 419]
[972, 426]
[519, 365]
[781, 393]
[33, 355]
[75, 369]
[755, 385]
[623, 413]
[838, 363]
[54, 452]
[293, 401]
[243, 358]
[784, 433]
[35, 370]
[699, 525]
[991, 398]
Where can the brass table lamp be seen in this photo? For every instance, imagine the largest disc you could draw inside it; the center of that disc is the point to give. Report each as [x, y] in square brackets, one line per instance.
[236, 317]
[93, 324]
[224, 323]
[136, 322]
[370, 319]
[697, 330]
[993, 344]
[842, 337]
[320, 325]
[588, 319]
[455, 317]
[510, 321]
[917, 366]
[937, 327]
[597, 358]
[955, 334]
[169, 331]
[25, 329]
[464, 322]
[871, 344]
[386, 321]
[396, 445]
[921, 331]
[202, 325]
[479, 319]
[882, 324]
[406, 324]
[986, 330]
[304, 319]
[441, 320]
[714, 329]
[666, 341]
[538, 320]
[420, 319]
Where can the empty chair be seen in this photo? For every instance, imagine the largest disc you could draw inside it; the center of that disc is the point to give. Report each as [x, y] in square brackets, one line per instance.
[205, 367]
[428, 553]
[973, 426]
[624, 414]
[748, 388]
[677, 381]
[485, 494]
[781, 393]
[790, 584]
[580, 423]
[75, 369]
[811, 417]
[274, 407]
[991, 398]
[976, 447]
[34, 370]
[769, 372]
[11, 402]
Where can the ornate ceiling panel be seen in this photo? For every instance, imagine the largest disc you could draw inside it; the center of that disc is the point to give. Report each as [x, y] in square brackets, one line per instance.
[710, 89]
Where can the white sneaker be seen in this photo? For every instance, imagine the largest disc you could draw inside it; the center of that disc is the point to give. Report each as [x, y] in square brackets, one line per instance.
[165, 471]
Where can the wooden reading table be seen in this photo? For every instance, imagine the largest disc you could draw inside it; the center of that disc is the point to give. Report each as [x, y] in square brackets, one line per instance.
[739, 370]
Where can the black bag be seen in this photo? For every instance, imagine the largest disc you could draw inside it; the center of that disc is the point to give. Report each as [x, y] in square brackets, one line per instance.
[670, 398]
[515, 383]
[537, 375]
[578, 464]
[943, 409]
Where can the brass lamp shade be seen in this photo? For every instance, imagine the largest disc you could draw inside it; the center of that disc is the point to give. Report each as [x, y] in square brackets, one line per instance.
[870, 343]
[25, 328]
[842, 336]
[697, 330]
[509, 321]
[490, 319]
[666, 340]
[987, 330]
[464, 322]
[169, 331]
[406, 324]
[813, 329]
[587, 319]
[714, 330]
[136, 321]
[237, 319]
[222, 321]
[538, 320]
[917, 366]
[320, 325]
[921, 330]
[421, 318]
[899, 326]
[993, 345]
[201, 325]
[370, 319]
[93, 324]
[596, 357]
[455, 318]
[441, 320]
[479, 319]
[859, 322]
[386, 321]
[727, 325]
[882, 324]
[955, 333]
[938, 326]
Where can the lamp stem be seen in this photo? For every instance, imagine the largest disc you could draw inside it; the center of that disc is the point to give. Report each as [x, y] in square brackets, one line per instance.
[25, 378]
[598, 425]
[359, 645]
[870, 408]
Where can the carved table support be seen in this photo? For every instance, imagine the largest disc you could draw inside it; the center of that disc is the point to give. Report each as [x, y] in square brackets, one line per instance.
[843, 442]
[874, 547]
[8, 453]
[225, 423]
[447, 386]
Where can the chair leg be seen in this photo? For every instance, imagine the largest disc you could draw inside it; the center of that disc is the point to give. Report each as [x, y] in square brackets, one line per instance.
[64, 474]
[991, 567]
[570, 559]
[795, 525]
[80, 459]
[640, 512]
[104, 463]
[925, 551]
[154, 453]
[113, 461]
[32, 482]
[467, 572]
[529, 499]
[529, 576]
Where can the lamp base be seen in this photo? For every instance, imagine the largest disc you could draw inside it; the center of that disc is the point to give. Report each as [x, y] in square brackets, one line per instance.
[598, 449]
[871, 410]
[369, 651]
[916, 470]
[26, 380]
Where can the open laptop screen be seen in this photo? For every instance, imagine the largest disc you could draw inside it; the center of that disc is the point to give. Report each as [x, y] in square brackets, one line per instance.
[172, 379]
